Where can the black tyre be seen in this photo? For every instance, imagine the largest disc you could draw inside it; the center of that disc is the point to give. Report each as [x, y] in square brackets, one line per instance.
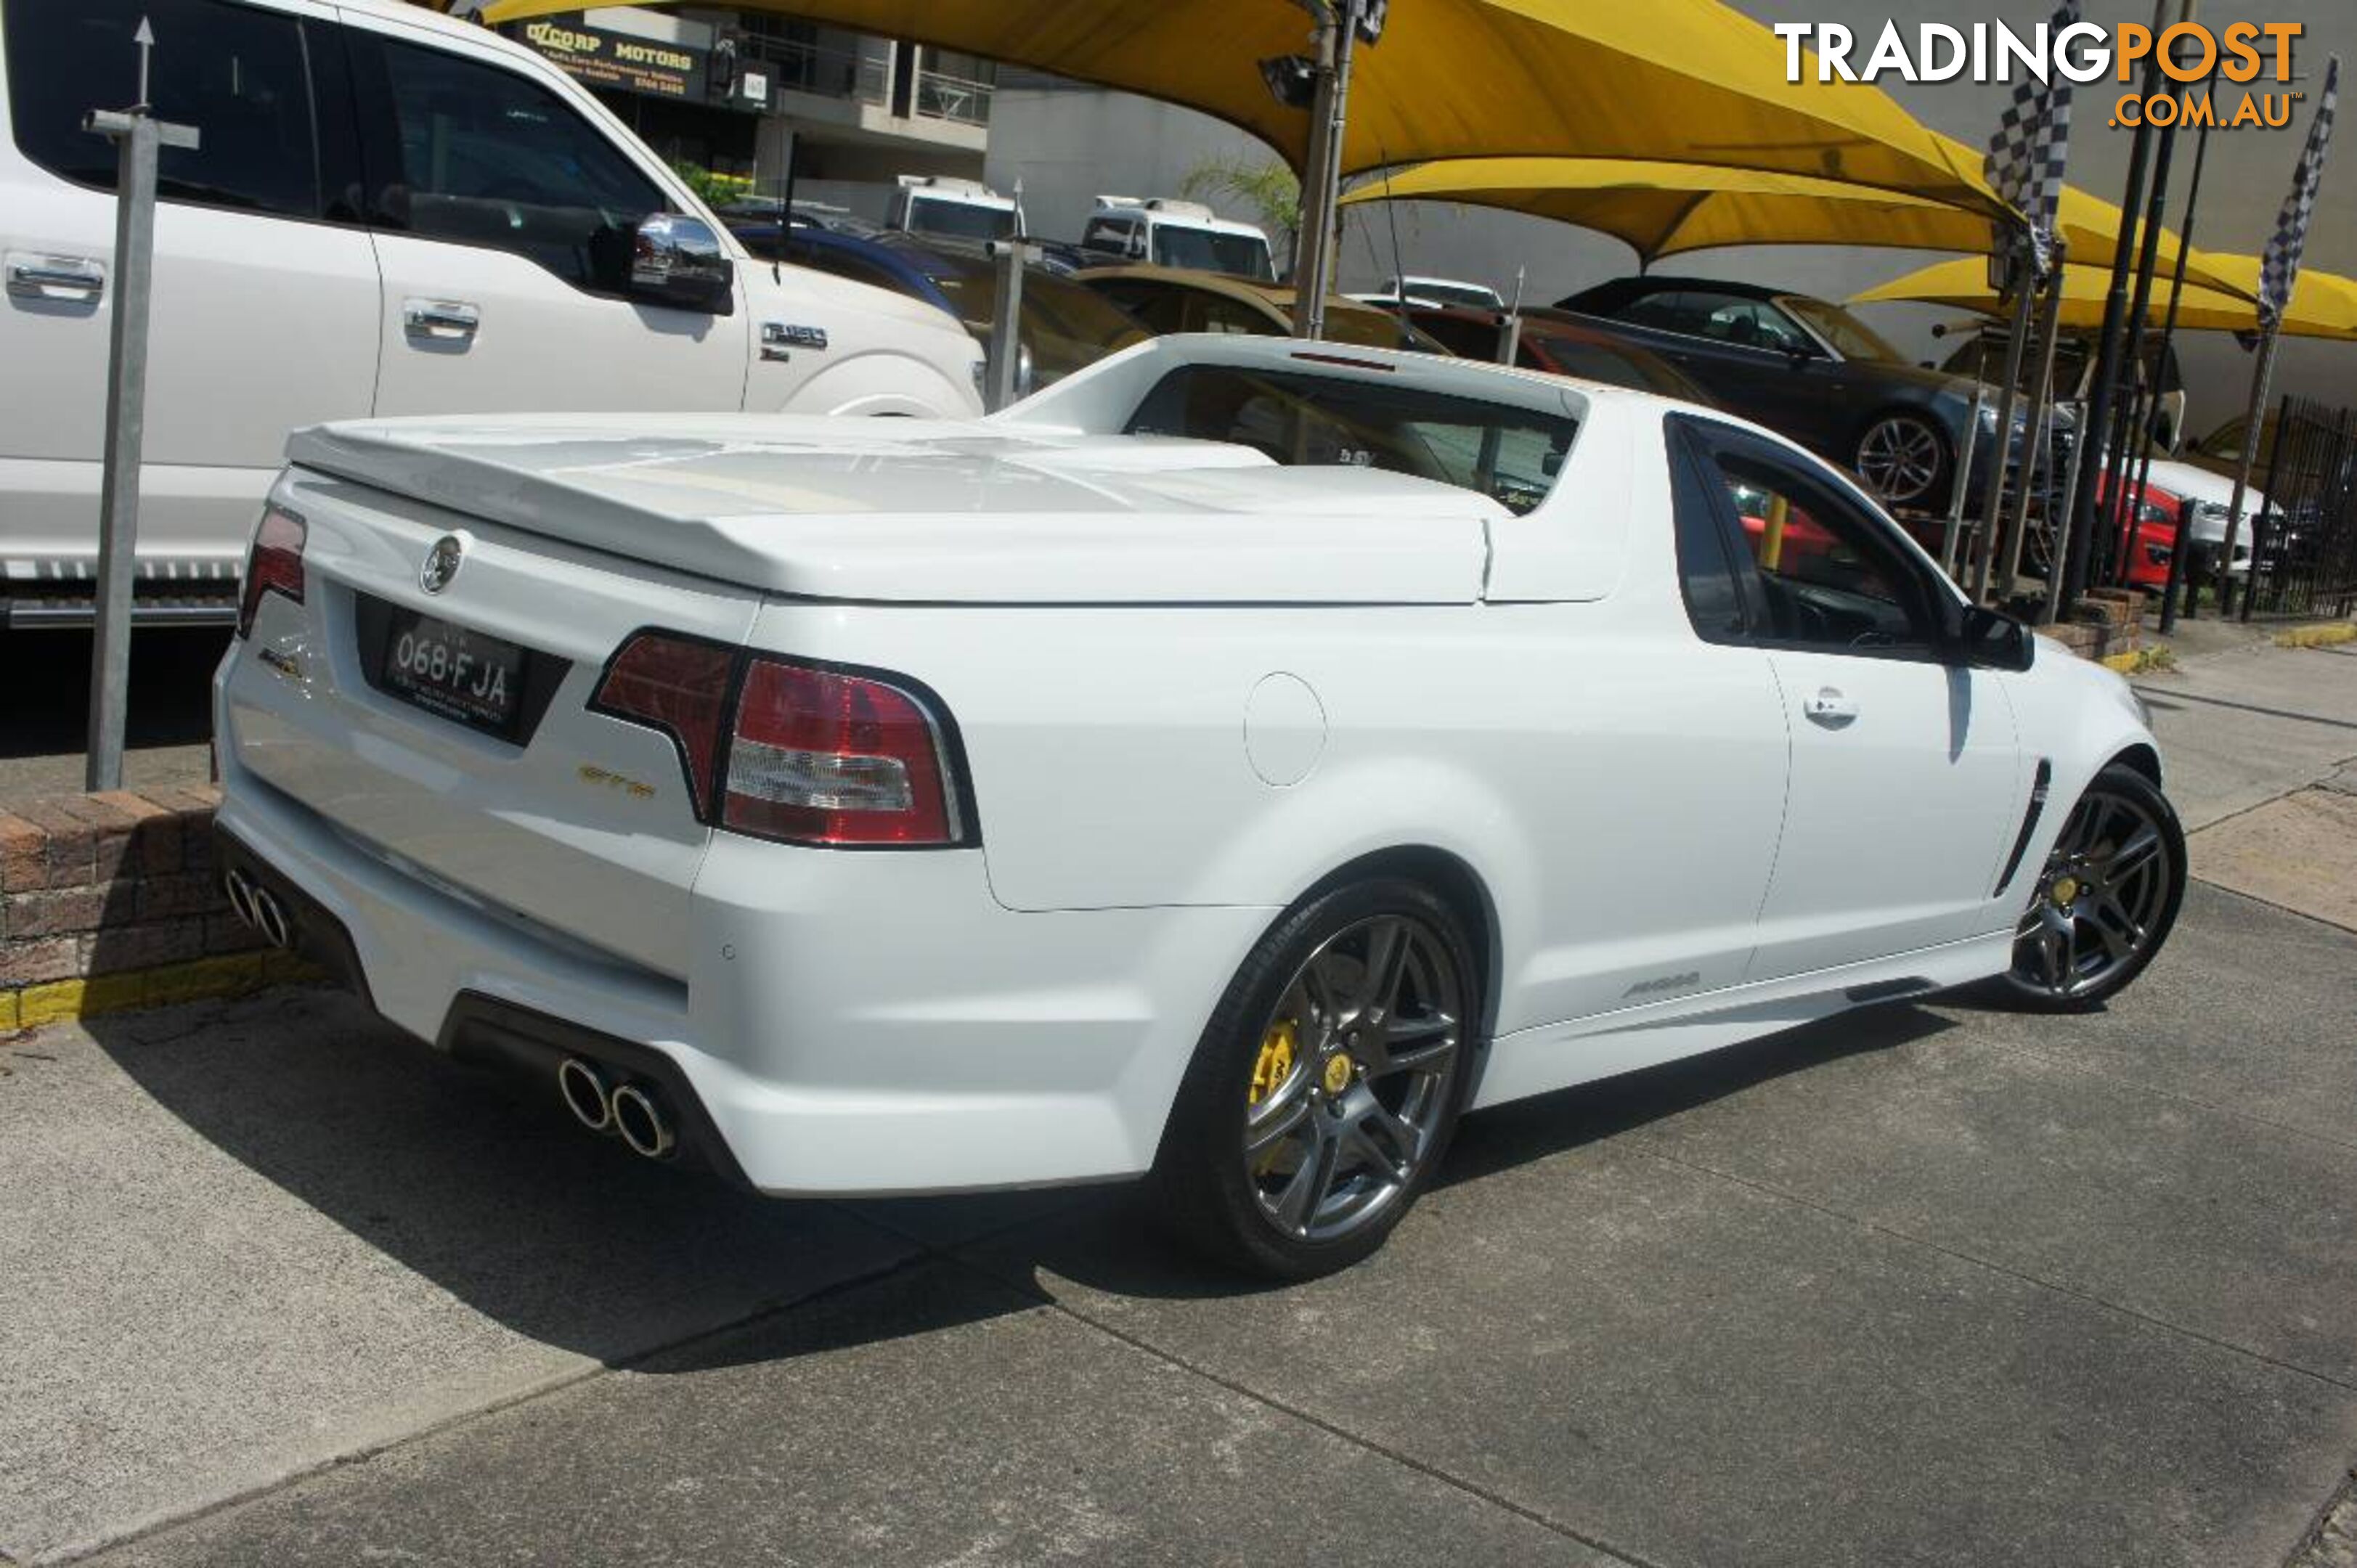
[1326, 1084]
[1905, 459]
[2104, 901]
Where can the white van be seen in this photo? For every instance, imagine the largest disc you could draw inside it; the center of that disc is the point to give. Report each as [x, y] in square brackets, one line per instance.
[1171, 234]
[389, 213]
[940, 206]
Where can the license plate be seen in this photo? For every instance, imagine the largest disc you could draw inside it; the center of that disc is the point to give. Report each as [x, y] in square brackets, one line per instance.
[461, 674]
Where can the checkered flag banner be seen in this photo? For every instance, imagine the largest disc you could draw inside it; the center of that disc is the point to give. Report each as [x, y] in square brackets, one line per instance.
[2032, 147]
[2279, 268]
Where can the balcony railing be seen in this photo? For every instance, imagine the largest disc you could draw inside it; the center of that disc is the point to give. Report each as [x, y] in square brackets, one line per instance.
[959, 98]
[867, 78]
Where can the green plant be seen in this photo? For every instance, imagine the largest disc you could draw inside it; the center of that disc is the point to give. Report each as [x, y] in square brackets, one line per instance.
[1267, 187]
[714, 188]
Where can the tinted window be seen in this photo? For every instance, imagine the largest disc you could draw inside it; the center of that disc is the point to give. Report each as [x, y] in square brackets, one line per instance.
[1511, 454]
[1828, 572]
[1108, 234]
[238, 75]
[1732, 319]
[489, 158]
[959, 219]
[1661, 310]
[1603, 362]
[1207, 251]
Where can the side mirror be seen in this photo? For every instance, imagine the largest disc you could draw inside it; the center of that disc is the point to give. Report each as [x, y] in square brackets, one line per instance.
[677, 260]
[1989, 640]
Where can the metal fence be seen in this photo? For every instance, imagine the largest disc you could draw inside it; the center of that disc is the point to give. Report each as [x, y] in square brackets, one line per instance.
[2304, 555]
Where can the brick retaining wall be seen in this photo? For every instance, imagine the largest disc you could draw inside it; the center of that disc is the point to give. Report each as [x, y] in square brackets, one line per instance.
[110, 901]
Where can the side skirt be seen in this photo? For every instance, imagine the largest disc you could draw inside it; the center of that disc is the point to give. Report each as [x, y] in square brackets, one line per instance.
[1548, 1056]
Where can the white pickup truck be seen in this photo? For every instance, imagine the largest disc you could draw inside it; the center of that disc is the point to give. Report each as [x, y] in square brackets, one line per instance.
[1229, 763]
[389, 214]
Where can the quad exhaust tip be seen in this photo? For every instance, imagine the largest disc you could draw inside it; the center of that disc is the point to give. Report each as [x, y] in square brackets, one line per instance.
[631, 1111]
[258, 907]
[641, 1121]
[586, 1094]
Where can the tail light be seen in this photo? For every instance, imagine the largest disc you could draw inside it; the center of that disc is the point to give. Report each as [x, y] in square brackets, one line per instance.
[794, 752]
[678, 685]
[274, 566]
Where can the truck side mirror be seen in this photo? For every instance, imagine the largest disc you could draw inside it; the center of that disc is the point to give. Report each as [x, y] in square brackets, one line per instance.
[677, 260]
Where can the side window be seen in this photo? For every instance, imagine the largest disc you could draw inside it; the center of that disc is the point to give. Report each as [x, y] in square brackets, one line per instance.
[486, 157]
[1217, 313]
[1657, 310]
[1110, 235]
[1817, 569]
[1706, 569]
[239, 75]
[1732, 319]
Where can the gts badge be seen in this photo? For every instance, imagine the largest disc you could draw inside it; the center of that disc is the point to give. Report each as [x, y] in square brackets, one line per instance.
[1664, 984]
[608, 780]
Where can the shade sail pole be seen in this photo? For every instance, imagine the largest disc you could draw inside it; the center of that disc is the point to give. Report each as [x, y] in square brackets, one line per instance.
[2253, 428]
[1329, 113]
[2008, 393]
[2040, 426]
[2097, 428]
[2177, 548]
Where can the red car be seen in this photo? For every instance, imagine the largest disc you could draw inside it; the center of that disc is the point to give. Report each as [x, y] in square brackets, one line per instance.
[2145, 548]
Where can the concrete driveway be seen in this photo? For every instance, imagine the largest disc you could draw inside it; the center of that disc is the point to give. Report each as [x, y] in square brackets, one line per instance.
[1929, 1284]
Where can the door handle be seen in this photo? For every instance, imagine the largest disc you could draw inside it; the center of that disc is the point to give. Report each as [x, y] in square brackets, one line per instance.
[440, 320]
[1829, 707]
[48, 277]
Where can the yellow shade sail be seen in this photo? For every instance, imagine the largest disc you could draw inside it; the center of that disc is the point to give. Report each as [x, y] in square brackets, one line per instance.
[1689, 80]
[2317, 308]
[1664, 208]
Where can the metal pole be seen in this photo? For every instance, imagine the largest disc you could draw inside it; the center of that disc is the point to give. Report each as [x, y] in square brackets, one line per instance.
[1004, 355]
[2054, 568]
[2041, 426]
[2176, 582]
[1961, 480]
[2259, 528]
[2252, 427]
[137, 142]
[139, 139]
[2132, 419]
[1329, 116]
[2008, 392]
[2099, 411]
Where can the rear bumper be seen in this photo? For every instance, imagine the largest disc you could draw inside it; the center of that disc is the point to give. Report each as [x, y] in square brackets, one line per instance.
[852, 1024]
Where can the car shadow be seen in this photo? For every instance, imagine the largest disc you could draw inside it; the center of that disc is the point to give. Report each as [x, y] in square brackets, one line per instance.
[481, 1184]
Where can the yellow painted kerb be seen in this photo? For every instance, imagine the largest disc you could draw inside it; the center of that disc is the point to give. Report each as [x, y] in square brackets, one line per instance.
[2320, 636]
[62, 1001]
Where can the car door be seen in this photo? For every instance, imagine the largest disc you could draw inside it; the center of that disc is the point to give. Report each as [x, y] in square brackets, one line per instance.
[1907, 781]
[260, 258]
[504, 219]
[1753, 359]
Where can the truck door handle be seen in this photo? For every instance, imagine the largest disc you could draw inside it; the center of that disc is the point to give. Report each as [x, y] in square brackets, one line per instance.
[50, 277]
[440, 320]
[1830, 707]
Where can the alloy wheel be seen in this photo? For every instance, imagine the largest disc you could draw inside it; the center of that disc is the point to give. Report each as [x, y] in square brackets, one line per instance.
[2103, 901]
[1900, 457]
[1353, 1088]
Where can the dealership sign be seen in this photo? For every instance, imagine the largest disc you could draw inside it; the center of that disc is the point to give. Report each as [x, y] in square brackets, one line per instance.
[616, 60]
[2188, 53]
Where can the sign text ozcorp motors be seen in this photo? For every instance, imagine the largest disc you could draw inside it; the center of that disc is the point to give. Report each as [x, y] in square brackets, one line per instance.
[2253, 55]
[614, 59]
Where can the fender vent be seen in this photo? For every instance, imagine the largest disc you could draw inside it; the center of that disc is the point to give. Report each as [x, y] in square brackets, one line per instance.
[2028, 825]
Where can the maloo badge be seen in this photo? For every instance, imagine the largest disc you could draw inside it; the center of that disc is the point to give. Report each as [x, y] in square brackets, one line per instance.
[442, 562]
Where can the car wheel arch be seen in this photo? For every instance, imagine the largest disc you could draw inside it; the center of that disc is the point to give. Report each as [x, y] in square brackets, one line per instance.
[1450, 878]
[2143, 759]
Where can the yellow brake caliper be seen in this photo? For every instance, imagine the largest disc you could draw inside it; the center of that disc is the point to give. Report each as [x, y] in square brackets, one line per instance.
[1276, 1062]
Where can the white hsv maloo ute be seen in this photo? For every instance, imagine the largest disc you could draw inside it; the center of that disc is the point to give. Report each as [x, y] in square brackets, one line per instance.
[1229, 765]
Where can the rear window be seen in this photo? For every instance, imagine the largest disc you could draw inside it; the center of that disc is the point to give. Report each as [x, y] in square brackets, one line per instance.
[1299, 418]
